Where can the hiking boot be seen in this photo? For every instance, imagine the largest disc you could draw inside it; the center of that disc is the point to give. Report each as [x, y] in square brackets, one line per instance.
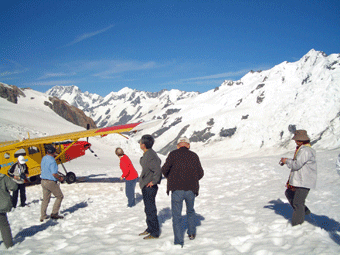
[192, 237]
[144, 233]
[150, 237]
[56, 216]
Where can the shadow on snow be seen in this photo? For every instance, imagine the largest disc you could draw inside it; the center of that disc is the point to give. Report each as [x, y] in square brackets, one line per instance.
[75, 207]
[166, 214]
[321, 221]
[31, 231]
[93, 178]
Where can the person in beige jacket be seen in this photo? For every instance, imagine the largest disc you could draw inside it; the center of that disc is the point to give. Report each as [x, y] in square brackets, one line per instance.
[302, 176]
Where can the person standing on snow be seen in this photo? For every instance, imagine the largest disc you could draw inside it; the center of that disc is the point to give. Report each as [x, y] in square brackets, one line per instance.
[49, 178]
[19, 172]
[130, 174]
[302, 177]
[6, 184]
[151, 176]
[183, 171]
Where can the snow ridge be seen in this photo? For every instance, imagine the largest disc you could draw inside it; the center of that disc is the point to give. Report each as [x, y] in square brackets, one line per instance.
[259, 111]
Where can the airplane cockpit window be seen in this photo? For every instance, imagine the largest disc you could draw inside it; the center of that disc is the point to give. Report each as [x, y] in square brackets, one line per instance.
[20, 152]
[7, 156]
[32, 150]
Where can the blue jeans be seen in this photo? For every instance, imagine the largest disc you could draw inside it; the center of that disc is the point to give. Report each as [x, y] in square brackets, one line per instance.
[130, 191]
[177, 198]
[149, 198]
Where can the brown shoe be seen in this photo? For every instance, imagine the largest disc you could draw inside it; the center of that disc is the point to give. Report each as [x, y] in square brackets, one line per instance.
[56, 216]
[144, 233]
[42, 218]
[150, 237]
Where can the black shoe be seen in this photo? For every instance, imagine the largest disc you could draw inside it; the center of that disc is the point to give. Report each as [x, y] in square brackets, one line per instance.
[56, 216]
[192, 237]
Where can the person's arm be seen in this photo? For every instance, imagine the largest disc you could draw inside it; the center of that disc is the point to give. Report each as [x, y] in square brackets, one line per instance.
[301, 159]
[54, 170]
[124, 166]
[200, 169]
[167, 166]
[10, 184]
[58, 177]
[26, 169]
[155, 167]
[11, 171]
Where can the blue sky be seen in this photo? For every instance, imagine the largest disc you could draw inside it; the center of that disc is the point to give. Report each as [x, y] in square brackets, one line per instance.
[105, 45]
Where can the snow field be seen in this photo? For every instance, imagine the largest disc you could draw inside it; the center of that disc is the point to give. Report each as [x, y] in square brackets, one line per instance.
[241, 209]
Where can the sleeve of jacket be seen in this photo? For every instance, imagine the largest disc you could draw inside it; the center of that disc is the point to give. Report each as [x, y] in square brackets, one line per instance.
[124, 166]
[11, 170]
[26, 169]
[200, 169]
[155, 167]
[10, 184]
[167, 166]
[302, 157]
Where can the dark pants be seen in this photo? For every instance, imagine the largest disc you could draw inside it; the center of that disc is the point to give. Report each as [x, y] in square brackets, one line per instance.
[5, 230]
[22, 189]
[130, 191]
[149, 198]
[297, 200]
[177, 198]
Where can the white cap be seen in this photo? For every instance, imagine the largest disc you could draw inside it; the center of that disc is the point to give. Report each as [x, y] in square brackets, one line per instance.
[21, 160]
[183, 140]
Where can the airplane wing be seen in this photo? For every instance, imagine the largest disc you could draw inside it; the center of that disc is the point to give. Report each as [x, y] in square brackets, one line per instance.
[73, 136]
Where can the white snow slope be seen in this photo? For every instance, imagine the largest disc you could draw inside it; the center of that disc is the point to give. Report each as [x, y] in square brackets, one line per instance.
[241, 208]
[257, 113]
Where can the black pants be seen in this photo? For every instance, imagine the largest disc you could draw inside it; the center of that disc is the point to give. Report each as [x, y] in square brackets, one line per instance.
[297, 200]
[149, 198]
[22, 189]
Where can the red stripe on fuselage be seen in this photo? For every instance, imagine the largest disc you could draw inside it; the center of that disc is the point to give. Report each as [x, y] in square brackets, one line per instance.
[117, 127]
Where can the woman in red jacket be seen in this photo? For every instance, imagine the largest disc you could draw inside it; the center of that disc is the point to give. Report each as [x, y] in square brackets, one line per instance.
[130, 174]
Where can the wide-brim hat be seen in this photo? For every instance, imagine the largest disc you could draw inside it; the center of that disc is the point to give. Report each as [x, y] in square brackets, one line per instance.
[301, 135]
[183, 140]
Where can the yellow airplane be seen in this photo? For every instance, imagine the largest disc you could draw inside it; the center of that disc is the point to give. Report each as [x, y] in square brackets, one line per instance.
[67, 145]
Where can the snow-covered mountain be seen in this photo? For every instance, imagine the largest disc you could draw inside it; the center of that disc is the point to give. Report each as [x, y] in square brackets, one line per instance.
[236, 211]
[118, 107]
[259, 111]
